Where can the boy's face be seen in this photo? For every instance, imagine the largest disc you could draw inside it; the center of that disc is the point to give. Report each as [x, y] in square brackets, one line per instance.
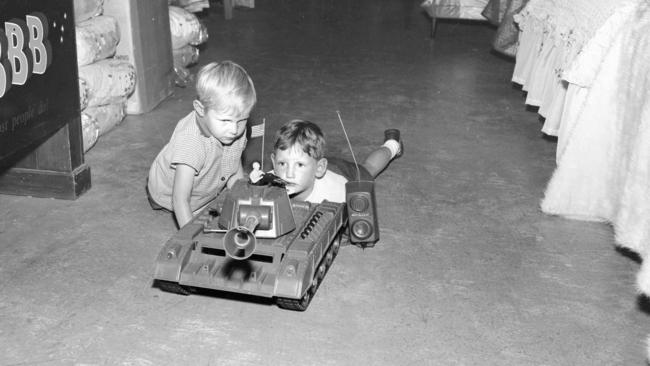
[299, 169]
[225, 127]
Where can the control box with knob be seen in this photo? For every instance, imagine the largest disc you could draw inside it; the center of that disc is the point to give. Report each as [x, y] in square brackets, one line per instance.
[362, 212]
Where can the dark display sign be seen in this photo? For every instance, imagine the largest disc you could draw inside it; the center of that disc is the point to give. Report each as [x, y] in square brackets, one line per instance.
[38, 73]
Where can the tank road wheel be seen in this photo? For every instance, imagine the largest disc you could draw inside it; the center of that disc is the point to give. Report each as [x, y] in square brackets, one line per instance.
[173, 287]
[322, 269]
[329, 257]
[333, 250]
[336, 244]
[297, 304]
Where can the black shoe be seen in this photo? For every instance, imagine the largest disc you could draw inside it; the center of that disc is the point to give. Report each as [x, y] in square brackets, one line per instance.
[394, 134]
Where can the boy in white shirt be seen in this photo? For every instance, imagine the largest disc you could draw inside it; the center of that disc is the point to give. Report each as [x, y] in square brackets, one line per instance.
[299, 159]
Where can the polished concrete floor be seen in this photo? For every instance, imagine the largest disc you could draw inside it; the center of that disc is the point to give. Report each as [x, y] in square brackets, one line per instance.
[468, 271]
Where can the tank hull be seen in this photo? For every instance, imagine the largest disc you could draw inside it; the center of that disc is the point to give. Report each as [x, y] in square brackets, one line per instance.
[288, 268]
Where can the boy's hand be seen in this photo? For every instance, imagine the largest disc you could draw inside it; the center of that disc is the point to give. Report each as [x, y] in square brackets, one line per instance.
[239, 174]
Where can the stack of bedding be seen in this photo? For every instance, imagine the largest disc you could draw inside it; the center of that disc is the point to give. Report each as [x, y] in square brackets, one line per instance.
[187, 32]
[104, 81]
[501, 14]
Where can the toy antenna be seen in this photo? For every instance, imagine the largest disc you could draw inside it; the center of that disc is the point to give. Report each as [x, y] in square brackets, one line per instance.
[350, 146]
[263, 133]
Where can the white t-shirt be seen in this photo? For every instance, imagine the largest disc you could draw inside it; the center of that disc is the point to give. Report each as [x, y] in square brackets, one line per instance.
[330, 187]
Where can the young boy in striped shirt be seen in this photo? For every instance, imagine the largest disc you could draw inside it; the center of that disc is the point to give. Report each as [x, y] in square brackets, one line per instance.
[203, 155]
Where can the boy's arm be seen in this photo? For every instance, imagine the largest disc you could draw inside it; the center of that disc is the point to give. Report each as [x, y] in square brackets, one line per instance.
[183, 181]
[239, 174]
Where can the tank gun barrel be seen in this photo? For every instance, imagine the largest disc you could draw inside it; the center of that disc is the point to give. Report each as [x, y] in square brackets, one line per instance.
[240, 242]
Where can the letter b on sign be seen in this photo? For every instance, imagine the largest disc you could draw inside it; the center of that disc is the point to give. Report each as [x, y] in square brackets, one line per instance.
[24, 49]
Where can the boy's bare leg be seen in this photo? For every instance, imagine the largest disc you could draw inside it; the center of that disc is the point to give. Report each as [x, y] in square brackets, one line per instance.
[379, 158]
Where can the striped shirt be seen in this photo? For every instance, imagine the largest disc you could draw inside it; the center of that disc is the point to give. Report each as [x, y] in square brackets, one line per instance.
[213, 163]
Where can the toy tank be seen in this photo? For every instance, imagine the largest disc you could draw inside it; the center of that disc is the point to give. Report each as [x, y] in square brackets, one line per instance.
[254, 240]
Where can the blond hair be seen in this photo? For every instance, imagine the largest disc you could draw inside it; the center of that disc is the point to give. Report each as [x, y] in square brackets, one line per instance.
[226, 88]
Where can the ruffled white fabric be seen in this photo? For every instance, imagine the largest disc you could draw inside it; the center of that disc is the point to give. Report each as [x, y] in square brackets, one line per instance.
[586, 67]
[552, 33]
[603, 155]
[598, 106]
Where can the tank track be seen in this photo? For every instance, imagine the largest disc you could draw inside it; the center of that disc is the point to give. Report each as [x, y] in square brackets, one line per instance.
[322, 269]
[173, 287]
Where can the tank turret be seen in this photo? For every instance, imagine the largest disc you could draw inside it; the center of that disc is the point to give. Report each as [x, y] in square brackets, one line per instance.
[251, 212]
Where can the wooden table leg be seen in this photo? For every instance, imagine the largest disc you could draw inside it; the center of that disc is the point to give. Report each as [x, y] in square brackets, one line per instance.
[434, 23]
[227, 8]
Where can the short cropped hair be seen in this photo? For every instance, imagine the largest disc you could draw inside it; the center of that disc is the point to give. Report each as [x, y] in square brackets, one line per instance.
[304, 133]
[226, 88]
